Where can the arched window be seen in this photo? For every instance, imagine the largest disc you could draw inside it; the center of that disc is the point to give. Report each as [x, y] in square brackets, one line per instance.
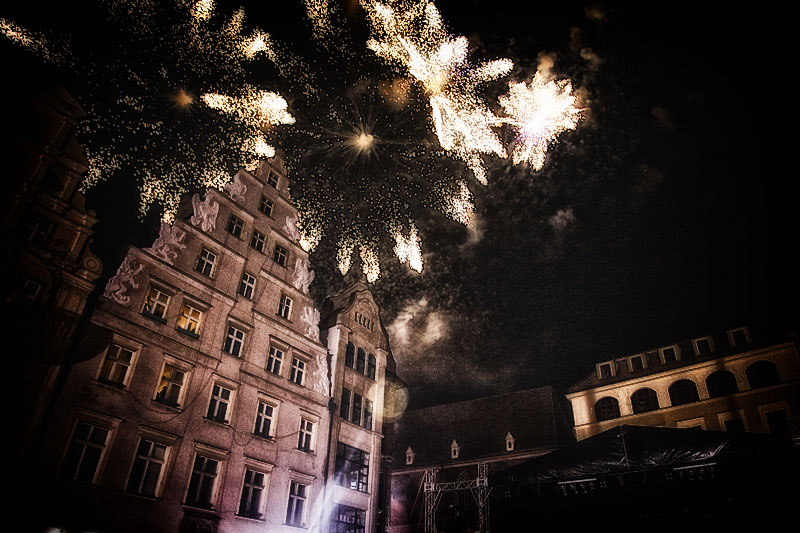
[606, 409]
[644, 400]
[721, 383]
[350, 355]
[361, 360]
[762, 374]
[682, 392]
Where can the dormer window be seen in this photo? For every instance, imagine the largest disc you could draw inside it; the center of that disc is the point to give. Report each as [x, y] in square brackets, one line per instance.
[739, 337]
[509, 442]
[606, 370]
[669, 354]
[703, 345]
[454, 449]
[636, 362]
[409, 456]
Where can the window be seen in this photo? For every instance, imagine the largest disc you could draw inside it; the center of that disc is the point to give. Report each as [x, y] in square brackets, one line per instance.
[275, 360]
[344, 408]
[778, 422]
[350, 355]
[352, 468]
[235, 226]
[305, 437]
[85, 452]
[739, 337]
[257, 240]
[298, 493]
[669, 354]
[279, 255]
[202, 484]
[644, 400]
[636, 363]
[155, 305]
[272, 180]
[361, 359]
[265, 420]
[734, 425]
[298, 371]
[367, 415]
[220, 402]
[606, 370]
[253, 489]
[356, 413]
[266, 206]
[683, 392]
[509, 442]
[371, 364]
[234, 341]
[721, 383]
[409, 456]
[762, 374]
[116, 366]
[206, 261]
[38, 231]
[455, 449]
[189, 321]
[148, 466]
[247, 285]
[606, 409]
[285, 307]
[703, 346]
[345, 519]
[31, 289]
[170, 388]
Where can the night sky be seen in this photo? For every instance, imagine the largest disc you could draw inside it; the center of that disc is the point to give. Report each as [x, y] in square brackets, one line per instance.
[668, 213]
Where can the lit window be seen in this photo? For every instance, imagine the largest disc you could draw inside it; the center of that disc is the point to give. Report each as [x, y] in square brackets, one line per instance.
[190, 319]
[285, 307]
[347, 519]
[298, 371]
[272, 180]
[85, 452]
[257, 240]
[255, 484]
[305, 437]
[170, 388]
[371, 364]
[266, 206]
[297, 502]
[247, 285]
[155, 305]
[352, 468]
[116, 365]
[202, 485]
[265, 418]
[235, 226]
[275, 360]
[234, 341]
[219, 404]
[206, 261]
[148, 466]
[280, 254]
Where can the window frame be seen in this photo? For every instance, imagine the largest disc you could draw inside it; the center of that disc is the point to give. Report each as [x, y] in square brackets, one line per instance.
[285, 307]
[273, 418]
[359, 466]
[123, 344]
[257, 241]
[299, 370]
[163, 292]
[272, 179]
[271, 358]
[182, 367]
[205, 262]
[280, 255]
[612, 365]
[732, 336]
[307, 444]
[696, 345]
[216, 399]
[355, 524]
[201, 310]
[235, 226]
[232, 341]
[291, 503]
[675, 349]
[262, 503]
[266, 206]
[96, 420]
[246, 287]
[149, 460]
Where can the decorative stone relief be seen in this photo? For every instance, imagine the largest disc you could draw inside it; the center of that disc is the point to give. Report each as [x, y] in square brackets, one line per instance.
[321, 382]
[205, 213]
[290, 227]
[236, 189]
[311, 320]
[302, 277]
[168, 236]
[116, 289]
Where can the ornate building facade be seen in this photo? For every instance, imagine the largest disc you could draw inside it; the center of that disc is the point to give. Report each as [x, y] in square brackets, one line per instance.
[728, 381]
[202, 394]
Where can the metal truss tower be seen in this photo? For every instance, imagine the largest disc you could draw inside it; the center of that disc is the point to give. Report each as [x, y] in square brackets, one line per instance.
[479, 487]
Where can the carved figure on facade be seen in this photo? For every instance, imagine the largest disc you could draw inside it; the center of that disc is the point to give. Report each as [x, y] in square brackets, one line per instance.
[321, 381]
[126, 273]
[302, 277]
[236, 189]
[290, 227]
[205, 213]
[311, 320]
[167, 237]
